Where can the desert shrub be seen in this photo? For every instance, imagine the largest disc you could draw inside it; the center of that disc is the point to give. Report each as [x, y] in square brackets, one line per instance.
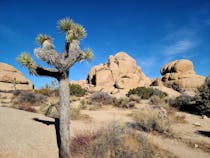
[124, 102]
[151, 121]
[101, 97]
[26, 107]
[46, 92]
[202, 99]
[80, 142]
[135, 98]
[83, 104]
[199, 104]
[114, 141]
[181, 101]
[30, 97]
[185, 103]
[146, 93]
[49, 89]
[156, 100]
[77, 90]
[75, 113]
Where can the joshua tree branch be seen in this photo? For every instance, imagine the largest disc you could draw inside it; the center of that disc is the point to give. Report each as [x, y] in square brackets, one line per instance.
[37, 70]
[72, 53]
[50, 56]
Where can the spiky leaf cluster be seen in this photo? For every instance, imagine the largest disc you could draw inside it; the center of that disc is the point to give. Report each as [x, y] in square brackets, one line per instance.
[73, 30]
[43, 37]
[25, 59]
[88, 54]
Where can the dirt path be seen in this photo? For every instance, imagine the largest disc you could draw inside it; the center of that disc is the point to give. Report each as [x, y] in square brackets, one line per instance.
[178, 148]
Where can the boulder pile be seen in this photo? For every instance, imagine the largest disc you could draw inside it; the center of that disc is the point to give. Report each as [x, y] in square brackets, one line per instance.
[119, 73]
[179, 74]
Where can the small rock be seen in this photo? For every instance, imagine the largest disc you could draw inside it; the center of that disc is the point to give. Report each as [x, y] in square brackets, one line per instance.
[196, 145]
[197, 124]
[204, 117]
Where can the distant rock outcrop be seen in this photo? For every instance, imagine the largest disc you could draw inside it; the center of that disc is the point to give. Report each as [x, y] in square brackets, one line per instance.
[120, 72]
[11, 79]
[179, 74]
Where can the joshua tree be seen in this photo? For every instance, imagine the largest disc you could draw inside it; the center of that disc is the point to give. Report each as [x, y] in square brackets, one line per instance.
[61, 62]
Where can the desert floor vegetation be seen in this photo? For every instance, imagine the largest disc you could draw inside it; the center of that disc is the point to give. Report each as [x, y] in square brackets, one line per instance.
[114, 141]
[156, 117]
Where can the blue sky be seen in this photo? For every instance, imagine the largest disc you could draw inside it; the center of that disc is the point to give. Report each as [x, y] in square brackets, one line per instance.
[153, 32]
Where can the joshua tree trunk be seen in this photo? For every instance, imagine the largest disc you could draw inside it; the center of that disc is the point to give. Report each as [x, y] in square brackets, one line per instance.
[64, 116]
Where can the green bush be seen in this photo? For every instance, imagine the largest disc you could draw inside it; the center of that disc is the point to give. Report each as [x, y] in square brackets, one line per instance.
[202, 98]
[181, 102]
[199, 104]
[146, 93]
[77, 90]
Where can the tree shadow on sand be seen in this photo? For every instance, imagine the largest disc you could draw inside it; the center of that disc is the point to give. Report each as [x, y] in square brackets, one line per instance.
[204, 133]
[56, 125]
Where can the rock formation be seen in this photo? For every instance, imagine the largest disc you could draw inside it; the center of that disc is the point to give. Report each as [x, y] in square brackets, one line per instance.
[120, 72]
[11, 79]
[179, 74]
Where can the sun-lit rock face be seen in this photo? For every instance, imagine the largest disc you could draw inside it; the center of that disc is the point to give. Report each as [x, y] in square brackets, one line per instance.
[11, 79]
[120, 72]
[179, 74]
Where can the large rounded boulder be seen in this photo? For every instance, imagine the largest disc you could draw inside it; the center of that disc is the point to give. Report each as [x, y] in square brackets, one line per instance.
[120, 72]
[179, 74]
[12, 79]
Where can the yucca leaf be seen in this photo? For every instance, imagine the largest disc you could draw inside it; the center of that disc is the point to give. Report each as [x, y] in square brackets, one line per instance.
[88, 54]
[25, 59]
[43, 37]
[65, 24]
[80, 31]
[73, 30]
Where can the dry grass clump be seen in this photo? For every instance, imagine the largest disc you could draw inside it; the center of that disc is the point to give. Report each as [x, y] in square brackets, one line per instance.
[75, 114]
[150, 121]
[124, 102]
[83, 104]
[135, 98]
[114, 141]
[156, 100]
[174, 117]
